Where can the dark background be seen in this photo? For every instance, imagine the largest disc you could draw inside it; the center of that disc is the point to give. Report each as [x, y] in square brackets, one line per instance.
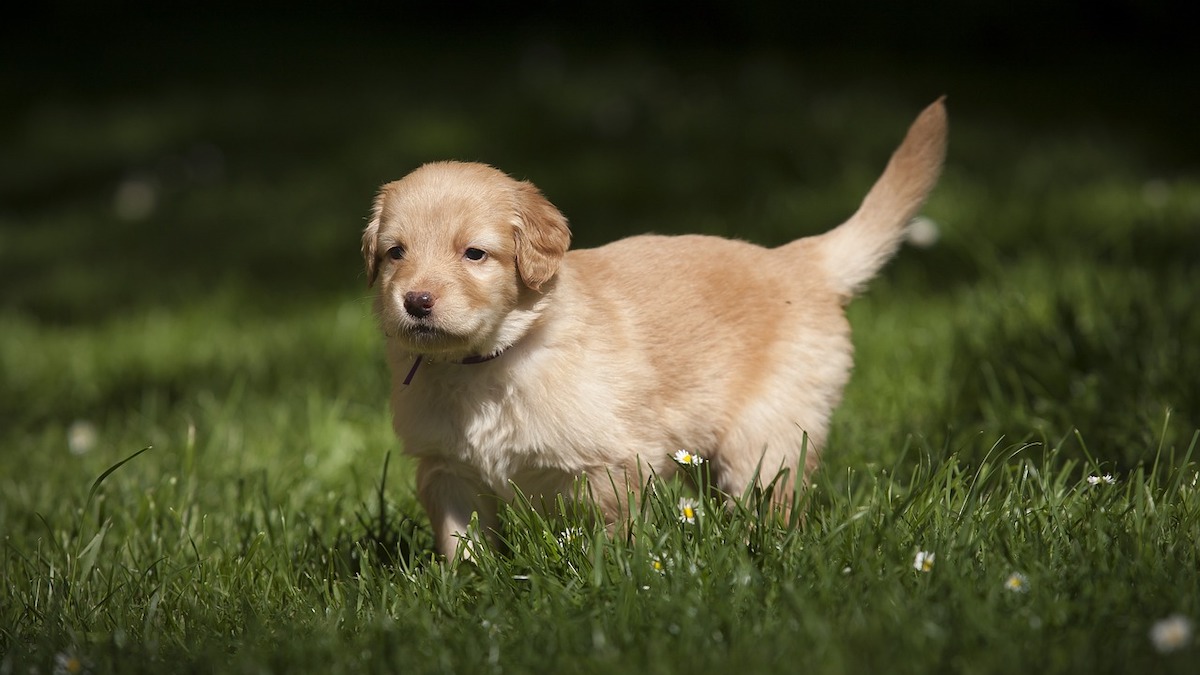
[1125, 62]
[1019, 33]
[271, 125]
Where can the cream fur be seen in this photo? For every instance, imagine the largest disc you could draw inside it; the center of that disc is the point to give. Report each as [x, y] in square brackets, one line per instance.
[610, 359]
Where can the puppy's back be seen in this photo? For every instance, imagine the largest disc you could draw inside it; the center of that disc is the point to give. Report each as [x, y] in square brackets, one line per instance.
[710, 314]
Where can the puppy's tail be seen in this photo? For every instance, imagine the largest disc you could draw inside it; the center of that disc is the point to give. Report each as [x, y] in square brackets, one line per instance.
[854, 251]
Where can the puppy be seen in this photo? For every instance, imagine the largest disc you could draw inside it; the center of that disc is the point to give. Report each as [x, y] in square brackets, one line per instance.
[517, 364]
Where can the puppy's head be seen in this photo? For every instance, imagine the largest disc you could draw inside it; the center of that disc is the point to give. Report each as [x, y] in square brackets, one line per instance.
[455, 247]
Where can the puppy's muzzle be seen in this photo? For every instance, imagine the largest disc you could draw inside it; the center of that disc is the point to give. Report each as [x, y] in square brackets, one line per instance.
[419, 304]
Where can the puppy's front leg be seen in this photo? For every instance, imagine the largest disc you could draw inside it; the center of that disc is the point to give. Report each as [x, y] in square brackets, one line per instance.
[449, 497]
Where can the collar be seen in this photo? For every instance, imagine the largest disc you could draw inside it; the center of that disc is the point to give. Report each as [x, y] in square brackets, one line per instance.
[467, 361]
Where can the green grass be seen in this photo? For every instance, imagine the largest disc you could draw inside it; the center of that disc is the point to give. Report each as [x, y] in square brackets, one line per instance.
[1049, 336]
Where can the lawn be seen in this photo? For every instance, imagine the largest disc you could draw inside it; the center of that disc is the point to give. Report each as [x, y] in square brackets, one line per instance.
[197, 472]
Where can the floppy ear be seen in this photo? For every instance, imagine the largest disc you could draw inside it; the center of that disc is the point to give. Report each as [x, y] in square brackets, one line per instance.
[541, 234]
[370, 241]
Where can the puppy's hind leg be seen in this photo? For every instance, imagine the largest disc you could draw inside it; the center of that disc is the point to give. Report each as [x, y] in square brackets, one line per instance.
[613, 492]
[755, 466]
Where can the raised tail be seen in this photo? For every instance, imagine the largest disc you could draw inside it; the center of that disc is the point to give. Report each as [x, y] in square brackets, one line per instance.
[854, 251]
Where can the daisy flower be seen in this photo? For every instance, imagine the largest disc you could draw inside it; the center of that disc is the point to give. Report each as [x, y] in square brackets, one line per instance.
[924, 561]
[1017, 583]
[572, 535]
[688, 509]
[1172, 633]
[81, 437]
[922, 232]
[685, 458]
[67, 663]
[657, 564]
[1106, 479]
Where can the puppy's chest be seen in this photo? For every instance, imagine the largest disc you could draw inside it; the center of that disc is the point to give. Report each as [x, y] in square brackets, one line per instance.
[505, 431]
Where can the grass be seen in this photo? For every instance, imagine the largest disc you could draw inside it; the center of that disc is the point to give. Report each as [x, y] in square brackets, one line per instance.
[1048, 337]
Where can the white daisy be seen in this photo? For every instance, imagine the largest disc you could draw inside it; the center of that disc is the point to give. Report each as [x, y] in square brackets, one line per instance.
[922, 232]
[81, 437]
[1172, 633]
[68, 663]
[685, 458]
[1106, 479]
[1017, 583]
[924, 561]
[572, 535]
[688, 509]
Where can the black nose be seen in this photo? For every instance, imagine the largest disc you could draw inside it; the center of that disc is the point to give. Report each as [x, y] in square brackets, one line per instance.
[418, 303]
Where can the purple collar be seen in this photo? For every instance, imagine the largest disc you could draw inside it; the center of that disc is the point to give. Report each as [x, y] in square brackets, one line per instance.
[476, 358]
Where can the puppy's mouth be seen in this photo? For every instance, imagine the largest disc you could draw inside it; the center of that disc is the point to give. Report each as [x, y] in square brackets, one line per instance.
[423, 330]
[422, 335]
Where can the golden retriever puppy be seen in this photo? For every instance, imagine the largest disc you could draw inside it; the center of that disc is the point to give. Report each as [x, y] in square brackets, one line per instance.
[519, 364]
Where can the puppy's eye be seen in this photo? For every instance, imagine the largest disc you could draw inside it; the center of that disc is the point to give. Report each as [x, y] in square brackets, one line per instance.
[396, 252]
[475, 254]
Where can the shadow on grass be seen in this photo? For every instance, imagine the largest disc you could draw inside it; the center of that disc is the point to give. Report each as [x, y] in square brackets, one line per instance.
[386, 538]
[1112, 361]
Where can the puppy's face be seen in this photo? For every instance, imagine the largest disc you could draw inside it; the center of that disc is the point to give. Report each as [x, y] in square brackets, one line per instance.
[455, 248]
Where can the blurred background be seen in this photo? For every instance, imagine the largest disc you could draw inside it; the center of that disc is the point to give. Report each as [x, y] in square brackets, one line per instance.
[160, 156]
[242, 146]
